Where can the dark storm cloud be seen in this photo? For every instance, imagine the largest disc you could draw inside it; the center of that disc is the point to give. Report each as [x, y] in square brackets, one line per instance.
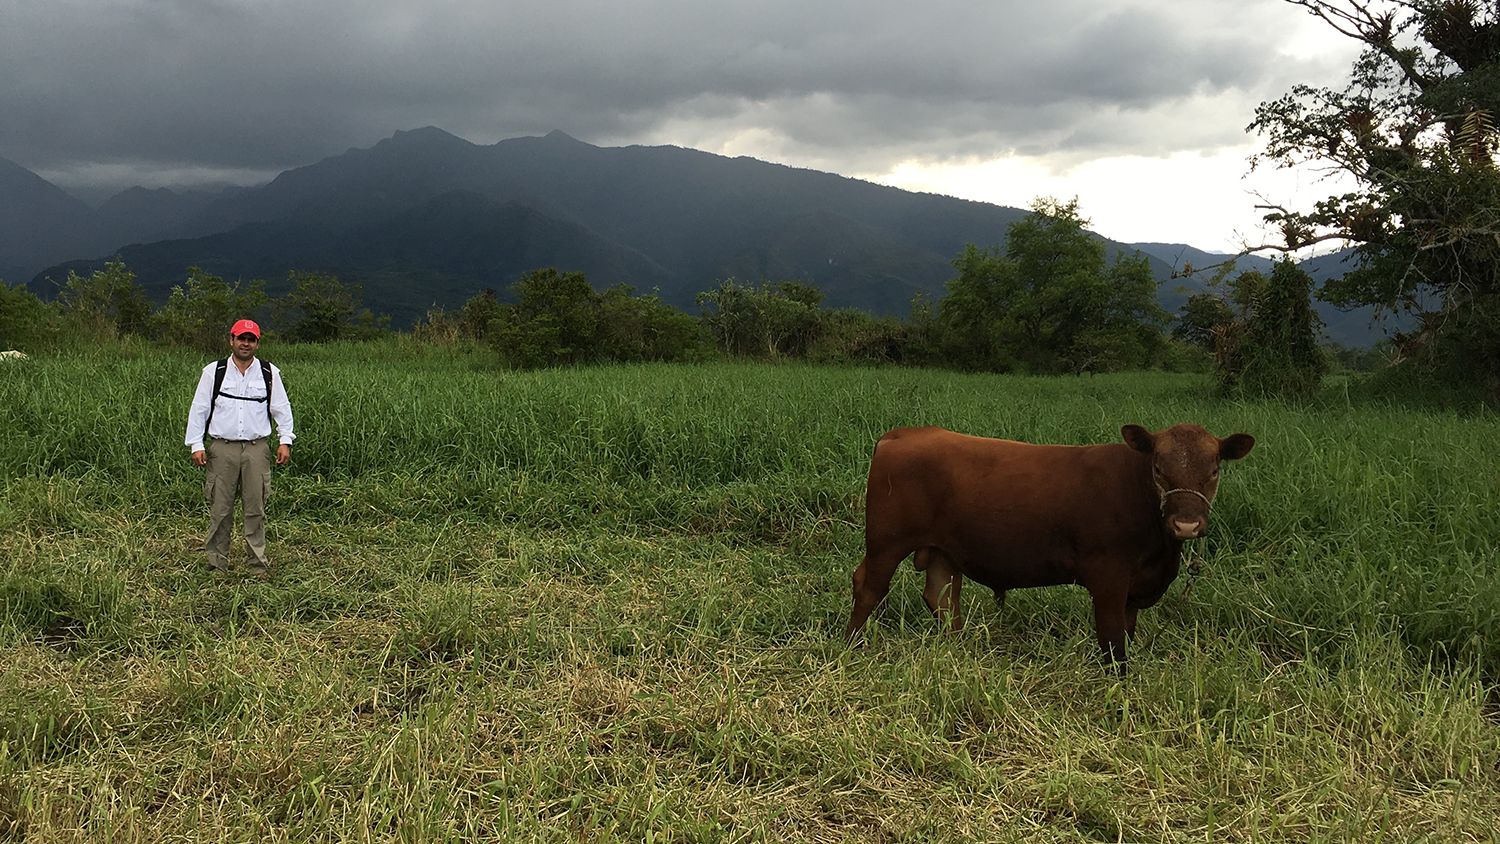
[249, 86]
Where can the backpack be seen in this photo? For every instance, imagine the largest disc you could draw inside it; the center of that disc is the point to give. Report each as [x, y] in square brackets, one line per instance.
[219, 369]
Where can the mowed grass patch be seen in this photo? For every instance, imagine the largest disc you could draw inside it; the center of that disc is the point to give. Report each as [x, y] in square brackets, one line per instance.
[608, 604]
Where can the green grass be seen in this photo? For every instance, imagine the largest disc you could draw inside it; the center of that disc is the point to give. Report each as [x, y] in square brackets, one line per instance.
[607, 604]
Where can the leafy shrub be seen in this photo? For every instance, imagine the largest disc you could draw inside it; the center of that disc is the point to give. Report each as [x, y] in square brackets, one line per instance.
[1270, 347]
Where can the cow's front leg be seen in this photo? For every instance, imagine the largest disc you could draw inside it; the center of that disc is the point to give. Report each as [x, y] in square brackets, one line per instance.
[1110, 624]
[1130, 613]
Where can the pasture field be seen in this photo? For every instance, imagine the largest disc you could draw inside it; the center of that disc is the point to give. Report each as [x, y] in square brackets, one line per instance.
[607, 604]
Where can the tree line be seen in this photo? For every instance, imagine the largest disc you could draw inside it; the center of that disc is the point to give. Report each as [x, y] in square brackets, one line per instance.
[1048, 303]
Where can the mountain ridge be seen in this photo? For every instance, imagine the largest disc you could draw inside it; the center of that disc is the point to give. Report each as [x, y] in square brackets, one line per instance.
[673, 219]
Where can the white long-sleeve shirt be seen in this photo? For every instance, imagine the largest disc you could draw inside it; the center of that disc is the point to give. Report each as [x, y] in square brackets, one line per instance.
[235, 419]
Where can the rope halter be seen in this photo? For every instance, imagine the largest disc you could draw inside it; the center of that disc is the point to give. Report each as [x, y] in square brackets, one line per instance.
[1171, 492]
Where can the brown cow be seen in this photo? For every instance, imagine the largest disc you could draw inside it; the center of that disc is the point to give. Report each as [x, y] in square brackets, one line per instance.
[1111, 518]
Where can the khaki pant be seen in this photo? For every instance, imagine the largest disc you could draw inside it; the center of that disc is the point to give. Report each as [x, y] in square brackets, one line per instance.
[243, 469]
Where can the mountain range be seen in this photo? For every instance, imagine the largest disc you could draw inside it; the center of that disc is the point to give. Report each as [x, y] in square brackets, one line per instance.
[426, 218]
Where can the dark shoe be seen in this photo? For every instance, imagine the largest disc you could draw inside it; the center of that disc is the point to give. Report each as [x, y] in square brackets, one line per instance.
[260, 572]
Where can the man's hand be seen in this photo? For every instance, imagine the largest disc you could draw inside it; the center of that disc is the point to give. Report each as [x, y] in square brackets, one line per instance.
[283, 454]
[200, 458]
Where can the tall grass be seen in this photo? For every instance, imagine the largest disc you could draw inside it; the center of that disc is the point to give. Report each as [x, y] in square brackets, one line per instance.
[607, 604]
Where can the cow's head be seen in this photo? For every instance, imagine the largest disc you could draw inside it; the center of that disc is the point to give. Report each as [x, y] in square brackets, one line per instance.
[1185, 468]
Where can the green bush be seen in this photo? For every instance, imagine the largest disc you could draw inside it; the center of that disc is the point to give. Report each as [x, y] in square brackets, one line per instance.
[26, 322]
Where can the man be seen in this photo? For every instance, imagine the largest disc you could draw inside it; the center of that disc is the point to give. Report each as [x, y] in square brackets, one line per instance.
[232, 410]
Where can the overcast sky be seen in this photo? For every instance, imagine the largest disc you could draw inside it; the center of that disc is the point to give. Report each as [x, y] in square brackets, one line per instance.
[1136, 108]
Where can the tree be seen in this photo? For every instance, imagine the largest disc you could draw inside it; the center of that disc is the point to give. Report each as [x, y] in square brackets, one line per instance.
[26, 322]
[972, 330]
[1050, 303]
[1415, 130]
[1124, 328]
[641, 328]
[1270, 345]
[321, 308]
[848, 335]
[559, 319]
[555, 320]
[922, 343]
[198, 313]
[772, 320]
[480, 313]
[107, 304]
[1200, 319]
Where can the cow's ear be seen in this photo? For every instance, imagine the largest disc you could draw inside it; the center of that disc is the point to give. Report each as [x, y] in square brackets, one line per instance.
[1138, 438]
[1235, 446]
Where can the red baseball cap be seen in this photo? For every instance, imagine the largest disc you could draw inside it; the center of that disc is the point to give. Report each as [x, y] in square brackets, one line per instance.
[245, 326]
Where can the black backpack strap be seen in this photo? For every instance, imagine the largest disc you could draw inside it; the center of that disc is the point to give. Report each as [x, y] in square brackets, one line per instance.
[213, 398]
[265, 370]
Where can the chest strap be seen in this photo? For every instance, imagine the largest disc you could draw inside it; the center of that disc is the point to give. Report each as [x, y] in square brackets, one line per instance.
[219, 370]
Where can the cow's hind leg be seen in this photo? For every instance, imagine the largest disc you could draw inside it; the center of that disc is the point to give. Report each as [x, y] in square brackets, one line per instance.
[943, 582]
[872, 580]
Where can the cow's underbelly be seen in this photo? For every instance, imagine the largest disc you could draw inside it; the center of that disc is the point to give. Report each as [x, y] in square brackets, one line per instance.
[1020, 557]
[1017, 566]
[1001, 578]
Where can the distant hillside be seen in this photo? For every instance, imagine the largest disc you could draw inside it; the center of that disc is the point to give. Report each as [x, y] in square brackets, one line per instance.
[424, 217]
[139, 215]
[39, 223]
[435, 252]
[687, 219]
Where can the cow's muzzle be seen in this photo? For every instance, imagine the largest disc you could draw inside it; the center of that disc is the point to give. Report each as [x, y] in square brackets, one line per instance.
[1184, 526]
[1188, 528]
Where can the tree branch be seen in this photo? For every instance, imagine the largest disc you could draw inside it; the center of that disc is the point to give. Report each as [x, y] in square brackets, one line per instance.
[1374, 31]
